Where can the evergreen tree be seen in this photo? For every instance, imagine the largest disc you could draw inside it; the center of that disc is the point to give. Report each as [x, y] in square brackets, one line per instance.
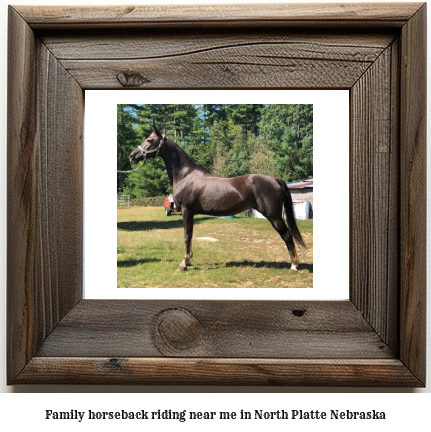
[127, 140]
[229, 140]
[262, 159]
[151, 180]
[246, 116]
[225, 136]
[289, 129]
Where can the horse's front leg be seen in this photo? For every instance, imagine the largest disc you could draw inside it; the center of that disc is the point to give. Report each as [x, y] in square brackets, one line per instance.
[188, 235]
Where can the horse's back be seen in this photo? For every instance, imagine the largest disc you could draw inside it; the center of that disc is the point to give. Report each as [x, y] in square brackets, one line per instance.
[224, 196]
[221, 196]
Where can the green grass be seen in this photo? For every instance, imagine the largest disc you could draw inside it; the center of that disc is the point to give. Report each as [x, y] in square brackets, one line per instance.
[248, 252]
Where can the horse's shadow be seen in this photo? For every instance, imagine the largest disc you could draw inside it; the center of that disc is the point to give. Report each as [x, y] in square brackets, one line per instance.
[151, 225]
[268, 264]
[135, 262]
[246, 263]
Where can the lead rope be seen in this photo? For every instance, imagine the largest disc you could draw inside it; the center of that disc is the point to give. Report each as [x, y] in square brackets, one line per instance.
[145, 152]
[129, 171]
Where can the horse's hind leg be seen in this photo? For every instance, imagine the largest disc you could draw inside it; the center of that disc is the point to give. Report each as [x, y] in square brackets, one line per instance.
[286, 235]
[188, 235]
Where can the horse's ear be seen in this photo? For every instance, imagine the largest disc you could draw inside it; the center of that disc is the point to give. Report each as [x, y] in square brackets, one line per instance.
[156, 131]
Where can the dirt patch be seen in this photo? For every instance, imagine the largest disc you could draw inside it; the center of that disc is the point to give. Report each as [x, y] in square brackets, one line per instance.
[207, 239]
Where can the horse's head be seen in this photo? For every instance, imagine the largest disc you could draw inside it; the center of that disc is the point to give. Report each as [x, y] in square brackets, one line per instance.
[149, 148]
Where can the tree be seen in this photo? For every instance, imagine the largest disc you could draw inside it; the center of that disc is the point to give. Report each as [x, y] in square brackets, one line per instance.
[127, 140]
[262, 159]
[247, 116]
[228, 140]
[289, 130]
[225, 144]
[151, 180]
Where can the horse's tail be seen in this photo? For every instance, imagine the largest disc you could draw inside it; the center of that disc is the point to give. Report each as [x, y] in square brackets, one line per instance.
[288, 210]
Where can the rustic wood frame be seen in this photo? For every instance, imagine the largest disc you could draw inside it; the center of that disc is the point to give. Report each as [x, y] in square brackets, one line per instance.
[376, 338]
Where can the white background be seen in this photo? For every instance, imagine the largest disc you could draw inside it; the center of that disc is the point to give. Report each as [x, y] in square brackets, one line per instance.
[331, 217]
[405, 410]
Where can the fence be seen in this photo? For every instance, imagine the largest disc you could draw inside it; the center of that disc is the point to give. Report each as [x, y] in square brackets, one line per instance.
[123, 200]
[148, 202]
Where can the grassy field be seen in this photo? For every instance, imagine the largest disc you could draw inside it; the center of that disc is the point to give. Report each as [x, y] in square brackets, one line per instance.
[228, 253]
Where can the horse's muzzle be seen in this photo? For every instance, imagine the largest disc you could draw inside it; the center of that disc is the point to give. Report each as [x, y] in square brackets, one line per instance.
[134, 156]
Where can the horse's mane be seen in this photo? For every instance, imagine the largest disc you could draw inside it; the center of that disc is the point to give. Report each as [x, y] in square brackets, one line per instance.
[186, 159]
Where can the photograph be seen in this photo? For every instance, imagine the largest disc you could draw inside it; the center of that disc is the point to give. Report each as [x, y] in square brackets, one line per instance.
[215, 195]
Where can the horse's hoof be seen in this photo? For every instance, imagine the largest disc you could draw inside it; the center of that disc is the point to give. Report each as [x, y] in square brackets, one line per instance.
[294, 268]
[182, 267]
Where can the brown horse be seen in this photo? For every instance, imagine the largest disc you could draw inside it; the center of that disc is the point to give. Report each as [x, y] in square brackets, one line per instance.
[197, 191]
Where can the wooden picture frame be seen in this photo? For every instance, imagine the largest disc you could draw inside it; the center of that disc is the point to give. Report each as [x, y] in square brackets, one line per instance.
[376, 338]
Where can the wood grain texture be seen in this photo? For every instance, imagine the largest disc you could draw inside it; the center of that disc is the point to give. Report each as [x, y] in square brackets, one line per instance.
[376, 338]
[232, 329]
[137, 45]
[191, 59]
[299, 14]
[59, 183]
[45, 106]
[197, 371]
[374, 194]
[21, 196]
[413, 174]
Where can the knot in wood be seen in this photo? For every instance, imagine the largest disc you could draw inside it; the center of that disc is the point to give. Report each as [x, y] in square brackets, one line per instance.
[298, 312]
[115, 363]
[131, 79]
[178, 329]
